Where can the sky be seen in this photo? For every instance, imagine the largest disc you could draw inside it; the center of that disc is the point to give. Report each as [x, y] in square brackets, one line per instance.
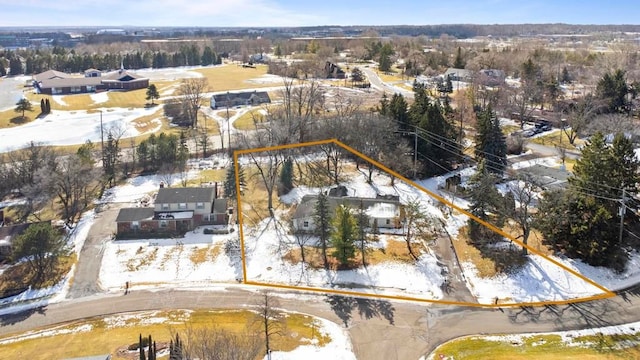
[263, 13]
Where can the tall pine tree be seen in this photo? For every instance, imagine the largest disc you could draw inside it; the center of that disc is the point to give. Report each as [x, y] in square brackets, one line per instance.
[491, 144]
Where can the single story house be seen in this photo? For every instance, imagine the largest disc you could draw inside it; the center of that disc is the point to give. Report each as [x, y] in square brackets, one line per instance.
[176, 211]
[458, 74]
[54, 82]
[381, 212]
[231, 99]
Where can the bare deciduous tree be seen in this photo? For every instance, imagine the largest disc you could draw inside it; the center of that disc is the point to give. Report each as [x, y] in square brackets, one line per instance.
[524, 194]
[192, 92]
[270, 319]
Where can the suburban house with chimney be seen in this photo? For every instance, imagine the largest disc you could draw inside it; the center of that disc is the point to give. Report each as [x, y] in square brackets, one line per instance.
[54, 82]
[383, 212]
[176, 211]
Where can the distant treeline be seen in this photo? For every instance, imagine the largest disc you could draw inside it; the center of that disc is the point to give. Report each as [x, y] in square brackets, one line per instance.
[58, 58]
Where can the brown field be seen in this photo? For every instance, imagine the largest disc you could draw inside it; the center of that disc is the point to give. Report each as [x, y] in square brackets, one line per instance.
[109, 338]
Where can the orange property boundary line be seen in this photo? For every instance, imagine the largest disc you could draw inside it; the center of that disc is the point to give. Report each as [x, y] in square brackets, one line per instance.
[606, 292]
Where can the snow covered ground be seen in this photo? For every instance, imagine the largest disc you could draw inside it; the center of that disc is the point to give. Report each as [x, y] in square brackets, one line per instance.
[71, 127]
[157, 263]
[33, 298]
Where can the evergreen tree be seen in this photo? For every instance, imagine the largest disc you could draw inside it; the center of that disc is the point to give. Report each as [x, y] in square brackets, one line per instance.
[141, 348]
[357, 75]
[152, 93]
[43, 107]
[322, 221]
[491, 144]
[613, 90]
[230, 190]
[459, 62]
[208, 56]
[286, 177]
[15, 66]
[398, 109]
[384, 60]
[48, 105]
[363, 223]
[485, 200]
[343, 235]
[278, 51]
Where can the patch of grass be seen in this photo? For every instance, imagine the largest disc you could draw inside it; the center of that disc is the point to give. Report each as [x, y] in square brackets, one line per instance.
[145, 257]
[545, 347]
[233, 77]
[554, 139]
[248, 120]
[19, 276]
[255, 200]
[146, 123]
[9, 118]
[108, 337]
[207, 253]
[508, 129]
[488, 263]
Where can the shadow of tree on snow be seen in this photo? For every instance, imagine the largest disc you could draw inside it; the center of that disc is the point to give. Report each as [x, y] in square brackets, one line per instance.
[343, 306]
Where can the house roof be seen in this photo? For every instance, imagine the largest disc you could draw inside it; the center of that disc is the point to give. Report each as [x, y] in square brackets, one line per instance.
[185, 195]
[461, 73]
[246, 95]
[122, 75]
[67, 82]
[50, 74]
[377, 208]
[135, 214]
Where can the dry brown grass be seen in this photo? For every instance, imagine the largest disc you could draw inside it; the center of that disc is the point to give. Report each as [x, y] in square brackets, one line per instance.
[233, 77]
[254, 200]
[490, 262]
[19, 276]
[248, 120]
[395, 251]
[144, 258]
[106, 338]
[10, 118]
[207, 253]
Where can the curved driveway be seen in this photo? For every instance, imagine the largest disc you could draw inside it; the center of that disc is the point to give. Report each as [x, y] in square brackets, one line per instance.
[378, 329]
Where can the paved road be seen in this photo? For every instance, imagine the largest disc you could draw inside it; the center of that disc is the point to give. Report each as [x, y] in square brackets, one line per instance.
[378, 329]
[545, 150]
[377, 83]
[85, 281]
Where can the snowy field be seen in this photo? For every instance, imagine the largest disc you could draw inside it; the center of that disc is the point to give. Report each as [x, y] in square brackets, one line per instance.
[159, 263]
[72, 128]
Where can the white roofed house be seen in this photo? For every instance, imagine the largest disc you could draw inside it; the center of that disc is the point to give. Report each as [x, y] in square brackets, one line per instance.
[382, 212]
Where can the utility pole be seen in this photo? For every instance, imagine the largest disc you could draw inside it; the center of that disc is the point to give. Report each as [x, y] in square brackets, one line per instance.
[228, 126]
[623, 210]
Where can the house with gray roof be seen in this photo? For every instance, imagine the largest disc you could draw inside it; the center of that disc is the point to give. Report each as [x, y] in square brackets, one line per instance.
[176, 211]
[54, 82]
[244, 98]
[382, 212]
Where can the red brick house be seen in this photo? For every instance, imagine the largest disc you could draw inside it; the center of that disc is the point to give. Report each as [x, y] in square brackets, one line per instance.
[176, 211]
[54, 82]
